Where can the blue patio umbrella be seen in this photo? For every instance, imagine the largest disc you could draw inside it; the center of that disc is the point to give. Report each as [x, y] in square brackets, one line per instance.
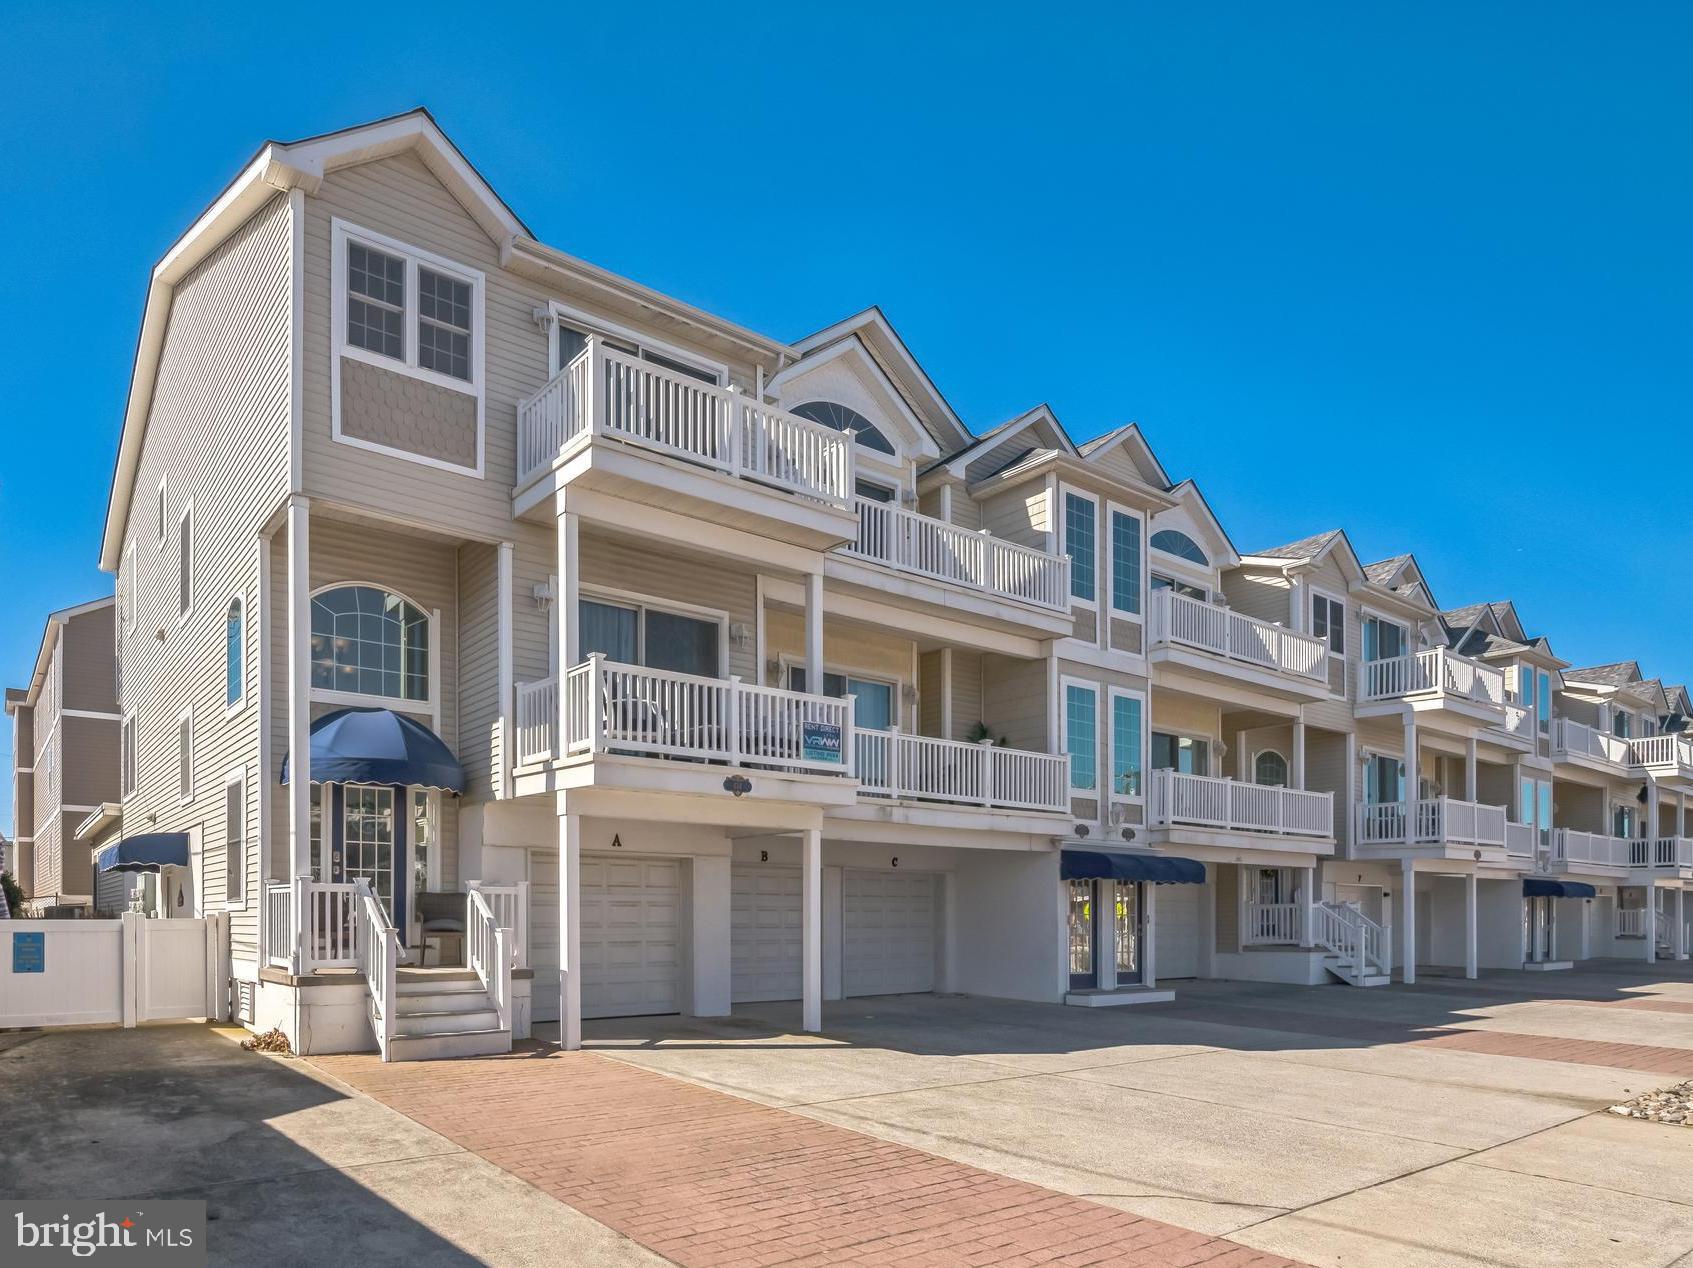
[379, 746]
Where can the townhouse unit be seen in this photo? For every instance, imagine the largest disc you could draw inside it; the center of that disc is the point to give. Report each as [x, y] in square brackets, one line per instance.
[64, 755]
[505, 642]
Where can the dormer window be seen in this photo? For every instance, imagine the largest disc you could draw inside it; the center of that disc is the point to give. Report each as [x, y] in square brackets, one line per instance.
[1174, 542]
[850, 421]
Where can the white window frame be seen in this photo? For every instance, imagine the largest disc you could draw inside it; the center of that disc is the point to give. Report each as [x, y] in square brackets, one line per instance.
[400, 704]
[1065, 493]
[161, 510]
[1312, 593]
[185, 562]
[236, 777]
[127, 757]
[185, 757]
[432, 798]
[1269, 751]
[643, 603]
[1117, 508]
[1212, 758]
[1065, 682]
[232, 707]
[1412, 634]
[790, 661]
[1111, 744]
[343, 233]
[591, 324]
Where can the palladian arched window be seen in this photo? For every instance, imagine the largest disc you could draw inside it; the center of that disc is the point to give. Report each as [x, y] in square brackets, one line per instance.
[1174, 542]
[850, 421]
[370, 642]
[1270, 768]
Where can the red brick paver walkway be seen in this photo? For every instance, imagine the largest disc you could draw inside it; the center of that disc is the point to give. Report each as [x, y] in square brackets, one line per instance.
[705, 1179]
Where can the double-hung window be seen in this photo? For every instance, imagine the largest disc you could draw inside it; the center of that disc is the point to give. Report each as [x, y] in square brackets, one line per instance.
[1080, 543]
[1328, 622]
[405, 306]
[1081, 737]
[1128, 735]
[1126, 569]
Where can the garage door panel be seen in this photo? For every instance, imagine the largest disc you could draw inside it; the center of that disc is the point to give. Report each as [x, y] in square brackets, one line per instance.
[888, 933]
[764, 934]
[1178, 931]
[631, 937]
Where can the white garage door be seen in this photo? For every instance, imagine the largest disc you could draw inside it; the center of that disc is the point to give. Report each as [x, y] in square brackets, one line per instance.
[631, 936]
[543, 934]
[1178, 931]
[764, 933]
[888, 933]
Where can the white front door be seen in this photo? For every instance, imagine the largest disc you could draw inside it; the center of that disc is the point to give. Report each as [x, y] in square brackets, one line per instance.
[764, 933]
[631, 936]
[888, 933]
[1176, 915]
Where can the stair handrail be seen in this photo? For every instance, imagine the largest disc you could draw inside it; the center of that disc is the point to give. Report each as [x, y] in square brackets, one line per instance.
[379, 960]
[489, 953]
[1359, 941]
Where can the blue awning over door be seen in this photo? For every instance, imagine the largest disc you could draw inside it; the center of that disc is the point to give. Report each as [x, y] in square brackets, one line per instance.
[1539, 887]
[379, 746]
[1111, 865]
[146, 852]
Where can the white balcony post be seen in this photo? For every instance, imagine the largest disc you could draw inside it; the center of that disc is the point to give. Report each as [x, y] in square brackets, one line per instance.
[894, 758]
[567, 621]
[1470, 950]
[1296, 767]
[987, 771]
[811, 930]
[1653, 822]
[503, 619]
[1649, 921]
[1413, 789]
[299, 696]
[593, 387]
[1408, 922]
[570, 929]
[1470, 769]
[1308, 912]
[814, 633]
[1678, 935]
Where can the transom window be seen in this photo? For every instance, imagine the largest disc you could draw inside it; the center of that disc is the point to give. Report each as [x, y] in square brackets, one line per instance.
[370, 642]
[844, 419]
[1175, 542]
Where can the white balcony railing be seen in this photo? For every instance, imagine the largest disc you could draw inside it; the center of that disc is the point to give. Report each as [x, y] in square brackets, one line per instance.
[613, 708]
[1631, 922]
[1437, 821]
[929, 547]
[279, 933]
[1577, 739]
[1519, 722]
[1435, 671]
[1179, 620]
[1661, 752]
[1664, 852]
[1208, 802]
[329, 939]
[1361, 944]
[510, 907]
[1573, 848]
[921, 767]
[608, 393]
[1522, 841]
[1270, 923]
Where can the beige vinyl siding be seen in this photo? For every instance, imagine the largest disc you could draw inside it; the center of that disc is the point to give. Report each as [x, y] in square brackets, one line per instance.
[1335, 714]
[481, 747]
[1014, 701]
[218, 429]
[1019, 515]
[930, 671]
[1325, 771]
[850, 649]
[90, 662]
[1266, 596]
[1578, 710]
[88, 756]
[76, 858]
[1188, 715]
[1115, 462]
[966, 693]
[966, 513]
[48, 873]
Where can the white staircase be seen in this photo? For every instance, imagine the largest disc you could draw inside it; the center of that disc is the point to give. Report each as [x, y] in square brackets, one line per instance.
[444, 1013]
[1357, 949]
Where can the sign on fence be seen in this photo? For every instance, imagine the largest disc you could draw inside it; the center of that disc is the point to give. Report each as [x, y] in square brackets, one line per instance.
[821, 741]
[29, 953]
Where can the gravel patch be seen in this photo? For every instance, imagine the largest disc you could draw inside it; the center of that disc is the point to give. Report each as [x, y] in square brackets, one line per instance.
[1671, 1105]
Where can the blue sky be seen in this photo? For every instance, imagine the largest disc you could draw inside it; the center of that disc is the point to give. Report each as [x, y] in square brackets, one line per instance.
[1421, 271]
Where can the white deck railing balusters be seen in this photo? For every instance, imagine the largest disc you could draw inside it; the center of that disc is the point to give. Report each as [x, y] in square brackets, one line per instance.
[1434, 671]
[1180, 620]
[1231, 805]
[925, 768]
[928, 547]
[1433, 821]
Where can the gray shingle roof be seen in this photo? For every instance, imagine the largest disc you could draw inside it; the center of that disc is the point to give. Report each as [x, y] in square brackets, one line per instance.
[1460, 619]
[1304, 548]
[1621, 674]
[1381, 572]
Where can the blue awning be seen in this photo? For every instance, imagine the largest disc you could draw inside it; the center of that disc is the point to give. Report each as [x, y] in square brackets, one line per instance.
[379, 746]
[144, 853]
[1080, 865]
[1538, 887]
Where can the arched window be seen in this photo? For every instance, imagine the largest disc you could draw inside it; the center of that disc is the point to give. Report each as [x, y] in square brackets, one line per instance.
[370, 642]
[1174, 542]
[1270, 768]
[850, 421]
[235, 676]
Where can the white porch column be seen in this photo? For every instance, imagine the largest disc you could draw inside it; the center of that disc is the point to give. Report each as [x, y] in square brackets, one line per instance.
[1412, 787]
[1407, 921]
[814, 633]
[811, 926]
[569, 929]
[1679, 933]
[946, 690]
[1296, 764]
[1587, 928]
[1654, 823]
[299, 693]
[1149, 940]
[567, 623]
[1470, 769]
[1649, 922]
[1308, 917]
[503, 618]
[1470, 956]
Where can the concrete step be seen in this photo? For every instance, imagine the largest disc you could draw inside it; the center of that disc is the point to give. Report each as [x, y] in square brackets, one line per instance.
[412, 976]
[452, 1043]
[446, 1021]
[438, 1001]
[406, 987]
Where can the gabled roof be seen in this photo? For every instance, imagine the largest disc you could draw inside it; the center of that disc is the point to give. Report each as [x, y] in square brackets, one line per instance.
[49, 636]
[1130, 438]
[1189, 496]
[1040, 414]
[1622, 673]
[1311, 548]
[1384, 572]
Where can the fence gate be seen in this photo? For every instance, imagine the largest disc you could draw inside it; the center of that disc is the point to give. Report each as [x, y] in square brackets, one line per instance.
[122, 972]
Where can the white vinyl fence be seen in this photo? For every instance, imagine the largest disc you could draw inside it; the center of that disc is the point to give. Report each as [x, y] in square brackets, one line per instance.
[120, 972]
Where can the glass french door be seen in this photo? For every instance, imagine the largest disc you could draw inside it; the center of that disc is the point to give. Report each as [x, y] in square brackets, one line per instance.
[1540, 929]
[1130, 933]
[1084, 967]
[367, 841]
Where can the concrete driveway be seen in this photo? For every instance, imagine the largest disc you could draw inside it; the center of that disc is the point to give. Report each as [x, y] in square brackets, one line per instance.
[1448, 1123]
[296, 1168]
